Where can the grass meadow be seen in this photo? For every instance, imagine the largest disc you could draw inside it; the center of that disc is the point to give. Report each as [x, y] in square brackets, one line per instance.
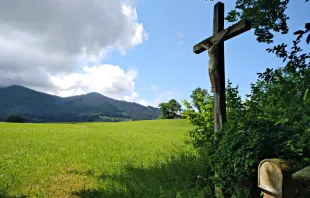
[125, 159]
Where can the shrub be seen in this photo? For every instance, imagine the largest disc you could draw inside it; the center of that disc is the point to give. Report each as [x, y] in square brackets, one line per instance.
[259, 127]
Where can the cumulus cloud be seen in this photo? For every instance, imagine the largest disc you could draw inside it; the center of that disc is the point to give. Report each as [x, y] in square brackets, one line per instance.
[110, 80]
[132, 97]
[44, 42]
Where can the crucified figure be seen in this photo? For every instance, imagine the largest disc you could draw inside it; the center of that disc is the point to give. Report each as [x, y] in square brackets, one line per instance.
[213, 52]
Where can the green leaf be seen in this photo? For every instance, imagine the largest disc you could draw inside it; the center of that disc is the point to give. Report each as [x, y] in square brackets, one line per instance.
[277, 122]
[287, 99]
[261, 193]
[306, 94]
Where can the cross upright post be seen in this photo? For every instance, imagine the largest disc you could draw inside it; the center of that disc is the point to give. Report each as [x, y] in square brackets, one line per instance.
[219, 96]
[219, 36]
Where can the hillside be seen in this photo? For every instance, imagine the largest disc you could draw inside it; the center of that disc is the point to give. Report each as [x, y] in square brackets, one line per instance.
[41, 107]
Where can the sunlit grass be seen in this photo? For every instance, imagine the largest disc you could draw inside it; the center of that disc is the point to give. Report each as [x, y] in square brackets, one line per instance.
[127, 159]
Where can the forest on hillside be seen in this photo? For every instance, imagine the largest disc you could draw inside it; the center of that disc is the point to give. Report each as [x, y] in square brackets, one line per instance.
[37, 107]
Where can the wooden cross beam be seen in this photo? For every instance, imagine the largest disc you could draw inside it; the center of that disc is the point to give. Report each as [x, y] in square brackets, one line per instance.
[236, 29]
[218, 32]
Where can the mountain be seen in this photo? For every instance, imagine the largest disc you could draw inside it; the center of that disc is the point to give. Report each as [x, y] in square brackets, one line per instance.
[41, 107]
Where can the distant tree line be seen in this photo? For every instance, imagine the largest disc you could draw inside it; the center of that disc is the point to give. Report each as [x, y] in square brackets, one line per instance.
[72, 117]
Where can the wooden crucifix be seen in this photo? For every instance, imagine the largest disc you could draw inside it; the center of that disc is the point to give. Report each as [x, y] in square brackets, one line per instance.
[215, 47]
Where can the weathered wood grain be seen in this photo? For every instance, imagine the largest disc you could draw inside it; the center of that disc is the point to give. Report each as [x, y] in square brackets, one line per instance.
[303, 174]
[219, 95]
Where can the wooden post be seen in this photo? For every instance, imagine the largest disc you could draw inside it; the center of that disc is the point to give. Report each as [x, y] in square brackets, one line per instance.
[219, 96]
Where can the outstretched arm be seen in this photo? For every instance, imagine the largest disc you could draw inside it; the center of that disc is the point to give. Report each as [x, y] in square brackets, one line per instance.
[210, 45]
[222, 37]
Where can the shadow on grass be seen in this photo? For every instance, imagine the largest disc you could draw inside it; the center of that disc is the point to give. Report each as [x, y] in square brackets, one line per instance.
[4, 192]
[8, 196]
[180, 177]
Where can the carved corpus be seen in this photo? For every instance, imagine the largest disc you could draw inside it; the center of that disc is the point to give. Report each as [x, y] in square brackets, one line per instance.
[270, 177]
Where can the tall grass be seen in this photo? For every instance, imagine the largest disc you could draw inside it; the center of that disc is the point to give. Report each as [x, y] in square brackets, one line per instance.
[127, 159]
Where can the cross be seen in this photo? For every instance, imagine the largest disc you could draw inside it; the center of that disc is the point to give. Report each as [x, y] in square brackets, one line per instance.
[220, 33]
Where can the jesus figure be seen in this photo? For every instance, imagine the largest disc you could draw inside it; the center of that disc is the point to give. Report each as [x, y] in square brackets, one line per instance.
[213, 52]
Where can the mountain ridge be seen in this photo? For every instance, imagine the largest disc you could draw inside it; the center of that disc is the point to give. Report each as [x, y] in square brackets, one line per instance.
[43, 107]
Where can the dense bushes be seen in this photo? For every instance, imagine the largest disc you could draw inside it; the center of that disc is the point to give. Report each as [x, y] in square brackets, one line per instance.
[259, 127]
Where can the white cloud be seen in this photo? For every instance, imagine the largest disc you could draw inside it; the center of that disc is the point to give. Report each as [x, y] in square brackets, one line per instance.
[106, 79]
[160, 97]
[132, 97]
[66, 93]
[44, 42]
[180, 35]
[145, 103]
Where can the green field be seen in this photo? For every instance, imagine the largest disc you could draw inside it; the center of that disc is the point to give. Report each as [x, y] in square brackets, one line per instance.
[126, 159]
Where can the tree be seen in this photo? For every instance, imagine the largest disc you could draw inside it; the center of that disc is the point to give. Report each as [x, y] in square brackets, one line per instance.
[297, 65]
[198, 96]
[15, 118]
[170, 110]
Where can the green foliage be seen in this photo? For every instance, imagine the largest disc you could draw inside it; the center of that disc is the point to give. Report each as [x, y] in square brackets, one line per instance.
[127, 159]
[203, 120]
[297, 67]
[170, 109]
[266, 16]
[198, 92]
[15, 118]
[260, 127]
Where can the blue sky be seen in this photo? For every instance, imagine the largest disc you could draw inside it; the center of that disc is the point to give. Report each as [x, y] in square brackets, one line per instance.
[166, 59]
